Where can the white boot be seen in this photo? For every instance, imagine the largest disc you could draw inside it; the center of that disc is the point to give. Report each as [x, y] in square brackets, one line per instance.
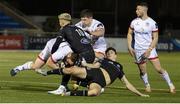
[102, 90]
[59, 91]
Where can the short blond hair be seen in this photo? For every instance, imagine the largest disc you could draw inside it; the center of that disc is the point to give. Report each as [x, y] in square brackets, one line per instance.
[65, 16]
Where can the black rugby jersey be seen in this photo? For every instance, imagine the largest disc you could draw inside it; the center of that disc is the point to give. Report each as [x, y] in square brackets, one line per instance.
[113, 68]
[75, 37]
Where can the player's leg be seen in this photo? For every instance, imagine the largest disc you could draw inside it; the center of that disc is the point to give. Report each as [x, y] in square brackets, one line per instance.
[75, 71]
[94, 90]
[164, 74]
[39, 62]
[142, 69]
[62, 51]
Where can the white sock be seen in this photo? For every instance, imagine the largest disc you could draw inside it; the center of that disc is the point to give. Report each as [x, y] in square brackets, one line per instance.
[25, 66]
[165, 75]
[145, 79]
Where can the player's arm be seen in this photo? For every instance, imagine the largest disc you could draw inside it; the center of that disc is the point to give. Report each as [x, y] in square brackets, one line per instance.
[129, 41]
[153, 43]
[98, 32]
[154, 40]
[130, 87]
[58, 41]
[96, 64]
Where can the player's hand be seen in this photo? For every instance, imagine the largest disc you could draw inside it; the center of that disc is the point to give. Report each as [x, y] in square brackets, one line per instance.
[147, 53]
[83, 62]
[144, 95]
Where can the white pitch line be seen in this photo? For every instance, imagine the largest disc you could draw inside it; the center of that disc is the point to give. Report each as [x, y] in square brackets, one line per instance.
[58, 84]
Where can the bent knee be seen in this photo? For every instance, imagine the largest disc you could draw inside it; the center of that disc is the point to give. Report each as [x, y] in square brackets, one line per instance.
[68, 71]
[93, 93]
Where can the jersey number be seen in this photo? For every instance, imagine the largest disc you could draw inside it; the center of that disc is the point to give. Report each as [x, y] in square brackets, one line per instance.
[80, 32]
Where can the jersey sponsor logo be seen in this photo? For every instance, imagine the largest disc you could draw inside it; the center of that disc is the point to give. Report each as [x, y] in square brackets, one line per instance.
[147, 24]
[85, 41]
[136, 32]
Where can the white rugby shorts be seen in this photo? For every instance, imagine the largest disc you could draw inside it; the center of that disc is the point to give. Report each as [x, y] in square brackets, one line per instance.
[61, 52]
[138, 53]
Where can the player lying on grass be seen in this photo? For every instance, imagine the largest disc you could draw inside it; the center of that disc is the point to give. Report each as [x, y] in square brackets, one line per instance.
[99, 75]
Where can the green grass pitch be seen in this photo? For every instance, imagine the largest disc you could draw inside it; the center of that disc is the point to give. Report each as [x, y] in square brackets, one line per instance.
[29, 87]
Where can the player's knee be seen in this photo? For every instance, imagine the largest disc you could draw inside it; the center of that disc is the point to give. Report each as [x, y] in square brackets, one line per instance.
[68, 71]
[93, 93]
[34, 66]
[160, 71]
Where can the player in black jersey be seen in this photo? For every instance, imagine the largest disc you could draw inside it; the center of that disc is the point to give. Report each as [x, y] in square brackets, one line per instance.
[99, 75]
[78, 41]
[76, 37]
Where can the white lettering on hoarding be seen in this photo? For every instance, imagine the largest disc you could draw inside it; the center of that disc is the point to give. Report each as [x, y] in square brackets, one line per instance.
[12, 42]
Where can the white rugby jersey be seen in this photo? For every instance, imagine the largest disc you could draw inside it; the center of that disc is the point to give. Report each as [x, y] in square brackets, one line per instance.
[99, 42]
[143, 32]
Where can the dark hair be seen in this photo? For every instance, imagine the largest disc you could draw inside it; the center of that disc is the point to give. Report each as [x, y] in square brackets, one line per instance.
[86, 13]
[110, 48]
[142, 4]
[74, 57]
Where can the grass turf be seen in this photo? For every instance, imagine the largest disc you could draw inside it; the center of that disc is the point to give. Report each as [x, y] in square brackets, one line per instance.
[29, 87]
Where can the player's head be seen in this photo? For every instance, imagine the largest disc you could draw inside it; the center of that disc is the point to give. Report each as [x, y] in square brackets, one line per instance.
[111, 53]
[86, 16]
[141, 9]
[64, 19]
[71, 58]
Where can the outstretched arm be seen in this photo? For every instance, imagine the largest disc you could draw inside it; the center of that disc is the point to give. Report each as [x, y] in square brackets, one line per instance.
[130, 87]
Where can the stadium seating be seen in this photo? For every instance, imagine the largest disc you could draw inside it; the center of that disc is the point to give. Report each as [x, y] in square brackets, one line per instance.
[7, 22]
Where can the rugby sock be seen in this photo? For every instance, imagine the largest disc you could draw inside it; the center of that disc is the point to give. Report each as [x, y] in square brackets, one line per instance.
[65, 80]
[165, 75]
[82, 83]
[55, 71]
[145, 78]
[25, 66]
[79, 93]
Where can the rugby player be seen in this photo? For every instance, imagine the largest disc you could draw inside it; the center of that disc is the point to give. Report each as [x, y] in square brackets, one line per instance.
[145, 32]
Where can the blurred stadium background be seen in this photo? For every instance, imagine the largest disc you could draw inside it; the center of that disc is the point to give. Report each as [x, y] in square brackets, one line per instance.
[29, 24]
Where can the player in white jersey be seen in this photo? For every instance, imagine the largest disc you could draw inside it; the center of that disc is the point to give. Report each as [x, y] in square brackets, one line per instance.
[47, 56]
[96, 31]
[145, 32]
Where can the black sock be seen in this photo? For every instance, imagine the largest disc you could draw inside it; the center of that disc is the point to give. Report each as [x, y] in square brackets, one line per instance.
[55, 71]
[79, 93]
[65, 80]
[82, 83]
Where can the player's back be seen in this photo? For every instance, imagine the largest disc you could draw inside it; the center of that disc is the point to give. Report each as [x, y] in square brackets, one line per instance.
[113, 68]
[76, 38]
